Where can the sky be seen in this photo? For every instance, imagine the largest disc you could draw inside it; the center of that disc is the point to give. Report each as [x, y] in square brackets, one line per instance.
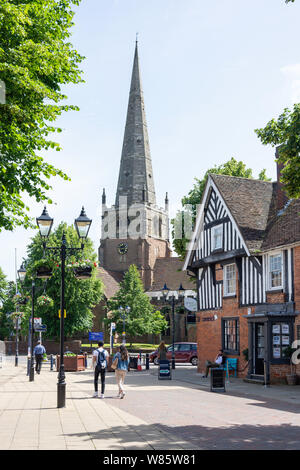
[212, 72]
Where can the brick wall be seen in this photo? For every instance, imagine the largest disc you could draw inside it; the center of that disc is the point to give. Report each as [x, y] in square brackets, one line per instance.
[52, 347]
[209, 333]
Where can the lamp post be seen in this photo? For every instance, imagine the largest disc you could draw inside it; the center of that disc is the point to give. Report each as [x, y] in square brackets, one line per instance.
[22, 275]
[17, 330]
[174, 300]
[122, 312]
[82, 225]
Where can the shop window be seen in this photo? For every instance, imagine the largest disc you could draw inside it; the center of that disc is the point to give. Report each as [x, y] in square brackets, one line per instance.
[230, 335]
[229, 280]
[281, 339]
[275, 271]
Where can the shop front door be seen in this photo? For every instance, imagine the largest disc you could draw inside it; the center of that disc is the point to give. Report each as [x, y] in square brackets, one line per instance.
[259, 349]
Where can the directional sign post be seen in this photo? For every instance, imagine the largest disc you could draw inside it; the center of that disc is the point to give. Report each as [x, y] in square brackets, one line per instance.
[41, 328]
[112, 329]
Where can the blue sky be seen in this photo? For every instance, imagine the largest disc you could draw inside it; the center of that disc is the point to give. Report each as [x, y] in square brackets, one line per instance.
[212, 72]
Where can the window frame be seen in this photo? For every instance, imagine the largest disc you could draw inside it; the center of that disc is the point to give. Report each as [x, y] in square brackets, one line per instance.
[225, 292]
[214, 229]
[227, 350]
[272, 255]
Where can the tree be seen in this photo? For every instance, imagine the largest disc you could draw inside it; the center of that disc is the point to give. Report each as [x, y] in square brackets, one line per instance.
[36, 59]
[80, 295]
[3, 286]
[8, 306]
[186, 217]
[285, 133]
[142, 318]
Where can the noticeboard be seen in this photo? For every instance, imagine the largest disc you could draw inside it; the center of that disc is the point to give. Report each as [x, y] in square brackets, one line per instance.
[93, 336]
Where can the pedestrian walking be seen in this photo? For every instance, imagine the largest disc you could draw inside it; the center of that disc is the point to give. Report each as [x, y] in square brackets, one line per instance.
[162, 351]
[39, 352]
[122, 359]
[100, 356]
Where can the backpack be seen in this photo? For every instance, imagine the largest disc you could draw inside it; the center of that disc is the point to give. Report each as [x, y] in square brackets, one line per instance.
[101, 361]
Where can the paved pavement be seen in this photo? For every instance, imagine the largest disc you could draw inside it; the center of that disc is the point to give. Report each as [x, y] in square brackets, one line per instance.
[162, 415]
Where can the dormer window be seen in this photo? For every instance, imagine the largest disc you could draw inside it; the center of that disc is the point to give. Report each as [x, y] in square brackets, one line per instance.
[217, 237]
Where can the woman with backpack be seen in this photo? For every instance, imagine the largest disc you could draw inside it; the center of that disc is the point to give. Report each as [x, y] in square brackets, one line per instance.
[121, 360]
[100, 357]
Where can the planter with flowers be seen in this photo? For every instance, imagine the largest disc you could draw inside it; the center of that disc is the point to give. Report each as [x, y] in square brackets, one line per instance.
[72, 362]
[20, 299]
[44, 301]
[83, 269]
[43, 268]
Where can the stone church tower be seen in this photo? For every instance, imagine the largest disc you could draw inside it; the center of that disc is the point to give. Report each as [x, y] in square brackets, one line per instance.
[135, 230]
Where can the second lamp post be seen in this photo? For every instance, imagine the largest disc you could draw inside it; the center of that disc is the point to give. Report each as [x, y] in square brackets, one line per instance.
[173, 299]
[123, 312]
[82, 225]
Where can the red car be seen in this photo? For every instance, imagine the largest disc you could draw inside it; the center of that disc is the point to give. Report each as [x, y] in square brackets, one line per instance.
[184, 352]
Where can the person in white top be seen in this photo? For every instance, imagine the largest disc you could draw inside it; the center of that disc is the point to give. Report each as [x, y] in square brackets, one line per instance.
[100, 357]
[218, 361]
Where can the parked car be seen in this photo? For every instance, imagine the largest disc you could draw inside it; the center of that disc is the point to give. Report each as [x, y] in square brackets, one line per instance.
[184, 352]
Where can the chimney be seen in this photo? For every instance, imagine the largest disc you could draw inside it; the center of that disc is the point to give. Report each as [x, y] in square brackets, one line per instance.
[282, 198]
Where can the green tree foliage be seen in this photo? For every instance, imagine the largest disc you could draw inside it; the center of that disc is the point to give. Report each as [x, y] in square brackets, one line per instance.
[190, 202]
[80, 295]
[36, 59]
[7, 293]
[285, 132]
[143, 318]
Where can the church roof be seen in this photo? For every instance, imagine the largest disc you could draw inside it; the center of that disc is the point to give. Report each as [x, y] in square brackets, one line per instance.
[111, 281]
[136, 175]
[169, 271]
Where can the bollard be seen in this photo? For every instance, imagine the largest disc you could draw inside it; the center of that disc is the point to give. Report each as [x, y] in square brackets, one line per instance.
[51, 361]
[147, 361]
[85, 360]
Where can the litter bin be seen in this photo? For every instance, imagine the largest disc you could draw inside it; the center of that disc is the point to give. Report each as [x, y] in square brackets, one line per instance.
[164, 370]
[217, 380]
[133, 362]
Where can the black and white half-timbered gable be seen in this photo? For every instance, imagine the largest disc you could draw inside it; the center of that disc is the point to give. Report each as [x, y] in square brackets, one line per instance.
[231, 231]
[245, 256]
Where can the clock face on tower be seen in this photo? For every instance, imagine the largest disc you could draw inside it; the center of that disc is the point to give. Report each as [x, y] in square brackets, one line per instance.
[122, 248]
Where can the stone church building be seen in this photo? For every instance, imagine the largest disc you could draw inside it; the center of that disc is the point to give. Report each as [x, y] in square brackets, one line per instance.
[135, 230]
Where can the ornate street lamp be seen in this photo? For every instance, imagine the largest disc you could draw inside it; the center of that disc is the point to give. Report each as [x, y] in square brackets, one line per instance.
[44, 223]
[82, 224]
[171, 298]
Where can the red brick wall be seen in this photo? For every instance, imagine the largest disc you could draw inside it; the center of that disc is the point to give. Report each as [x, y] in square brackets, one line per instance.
[209, 333]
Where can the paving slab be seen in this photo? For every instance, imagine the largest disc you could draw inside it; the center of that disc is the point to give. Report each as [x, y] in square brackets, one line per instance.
[181, 414]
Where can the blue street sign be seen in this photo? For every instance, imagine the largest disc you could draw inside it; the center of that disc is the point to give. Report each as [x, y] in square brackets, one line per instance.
[95, 336]
[41, 328]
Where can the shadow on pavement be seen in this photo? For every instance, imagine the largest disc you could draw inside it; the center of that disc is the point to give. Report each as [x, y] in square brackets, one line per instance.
[243, 437]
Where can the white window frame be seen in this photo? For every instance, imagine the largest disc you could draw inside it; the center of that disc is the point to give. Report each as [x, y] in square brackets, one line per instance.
[216, 227]
[270, 255]
[225, 278]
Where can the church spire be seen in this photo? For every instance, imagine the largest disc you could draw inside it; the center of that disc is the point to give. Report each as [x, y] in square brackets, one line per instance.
[136, 175]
